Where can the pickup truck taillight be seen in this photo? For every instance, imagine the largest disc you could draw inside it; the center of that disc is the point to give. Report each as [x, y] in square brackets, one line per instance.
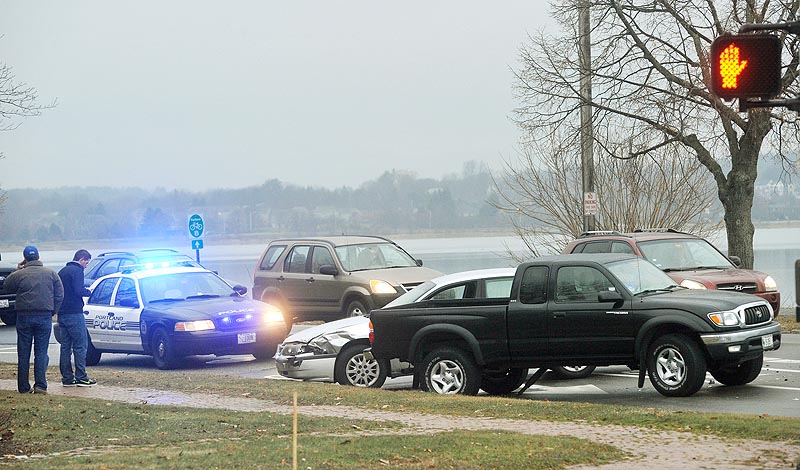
[371, 333]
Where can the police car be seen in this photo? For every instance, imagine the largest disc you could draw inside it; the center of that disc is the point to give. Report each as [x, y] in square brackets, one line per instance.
[173, 312]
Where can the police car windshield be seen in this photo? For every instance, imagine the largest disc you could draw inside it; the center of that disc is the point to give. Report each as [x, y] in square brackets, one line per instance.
[182, 286]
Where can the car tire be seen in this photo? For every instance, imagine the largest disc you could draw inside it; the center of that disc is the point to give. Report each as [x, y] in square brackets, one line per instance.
[92, 354]
[573, 372]
[265, 352]
[449, 371]
[9, 319]
[502, 383]
[356, 308]
[676, 366]
[163, 350]
[353, 368]
[739, 374]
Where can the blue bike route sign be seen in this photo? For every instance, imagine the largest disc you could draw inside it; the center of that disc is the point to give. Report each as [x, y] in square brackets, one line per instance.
[196, 225]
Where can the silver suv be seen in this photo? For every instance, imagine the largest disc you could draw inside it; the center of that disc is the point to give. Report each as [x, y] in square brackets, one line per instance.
[334, 277]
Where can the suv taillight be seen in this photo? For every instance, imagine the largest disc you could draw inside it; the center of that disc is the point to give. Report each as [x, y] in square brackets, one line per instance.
[371, 333]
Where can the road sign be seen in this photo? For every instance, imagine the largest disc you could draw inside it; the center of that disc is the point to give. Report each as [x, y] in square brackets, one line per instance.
[196, 225]
[589, 203]
[197, 244]
[746, 65]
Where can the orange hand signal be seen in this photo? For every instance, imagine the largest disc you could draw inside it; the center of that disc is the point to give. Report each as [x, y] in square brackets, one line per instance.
[730, 67]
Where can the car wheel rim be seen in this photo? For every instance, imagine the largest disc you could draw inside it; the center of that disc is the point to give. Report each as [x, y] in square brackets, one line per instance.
[575, 369]
[356, 312]
[160, 349]
[670, 367]
[362, 372]
[446, 377]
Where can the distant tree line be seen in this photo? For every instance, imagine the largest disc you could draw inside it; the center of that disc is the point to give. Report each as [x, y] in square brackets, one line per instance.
[396, 202]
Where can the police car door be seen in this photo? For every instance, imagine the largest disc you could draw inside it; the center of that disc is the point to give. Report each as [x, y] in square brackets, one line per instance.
[97, 308]
[124, 315]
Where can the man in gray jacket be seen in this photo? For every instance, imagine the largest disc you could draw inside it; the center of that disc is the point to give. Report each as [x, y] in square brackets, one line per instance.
[39, 295]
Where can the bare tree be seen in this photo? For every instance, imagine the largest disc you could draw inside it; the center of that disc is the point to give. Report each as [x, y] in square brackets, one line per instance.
[651, 82]
[17, 101]
[542, 195]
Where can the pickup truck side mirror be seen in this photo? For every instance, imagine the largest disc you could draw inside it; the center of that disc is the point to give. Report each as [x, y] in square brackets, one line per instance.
[736, 261]
[328, 269]
[419, 262]
[609, 296]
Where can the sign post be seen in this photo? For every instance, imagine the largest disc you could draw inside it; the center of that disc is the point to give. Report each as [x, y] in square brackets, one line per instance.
[196, 227]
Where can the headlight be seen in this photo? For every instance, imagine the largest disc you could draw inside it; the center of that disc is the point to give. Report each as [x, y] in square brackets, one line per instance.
[690, 284]
[272, 314]
[769, 284]
[381, 287]
[199, 325]
[724, 318]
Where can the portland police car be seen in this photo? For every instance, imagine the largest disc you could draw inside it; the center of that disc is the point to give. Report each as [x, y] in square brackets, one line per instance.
[173, 312]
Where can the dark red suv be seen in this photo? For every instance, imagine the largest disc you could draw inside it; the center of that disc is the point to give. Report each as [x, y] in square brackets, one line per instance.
[688, 259]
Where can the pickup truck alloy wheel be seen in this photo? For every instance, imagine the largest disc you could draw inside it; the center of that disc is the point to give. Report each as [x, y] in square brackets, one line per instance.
[450, 371]
[352, 368]
[676, 366]
[573, 372]
[739, 374]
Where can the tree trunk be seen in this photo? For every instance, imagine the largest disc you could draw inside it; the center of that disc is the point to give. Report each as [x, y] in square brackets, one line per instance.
[739, 225]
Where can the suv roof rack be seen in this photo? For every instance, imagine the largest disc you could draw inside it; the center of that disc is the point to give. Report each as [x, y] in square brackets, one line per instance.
[658, 230]
[597, 233]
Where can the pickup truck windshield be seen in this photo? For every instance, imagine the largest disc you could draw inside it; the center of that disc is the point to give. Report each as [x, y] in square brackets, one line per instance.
[639, 275]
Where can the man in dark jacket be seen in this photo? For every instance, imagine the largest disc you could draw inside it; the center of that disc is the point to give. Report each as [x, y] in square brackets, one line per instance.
[39, 294]
[72, 323]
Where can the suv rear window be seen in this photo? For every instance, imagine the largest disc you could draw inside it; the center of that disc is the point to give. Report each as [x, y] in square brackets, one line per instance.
[271, 256]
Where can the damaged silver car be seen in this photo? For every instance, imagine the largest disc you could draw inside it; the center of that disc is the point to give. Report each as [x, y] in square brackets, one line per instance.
[333, 351]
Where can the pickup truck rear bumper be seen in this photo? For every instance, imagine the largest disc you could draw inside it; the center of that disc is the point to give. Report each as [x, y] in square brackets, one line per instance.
[743, 345]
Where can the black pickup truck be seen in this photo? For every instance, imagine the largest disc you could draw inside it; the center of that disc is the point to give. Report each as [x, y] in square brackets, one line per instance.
[597, 310]
[7, 313]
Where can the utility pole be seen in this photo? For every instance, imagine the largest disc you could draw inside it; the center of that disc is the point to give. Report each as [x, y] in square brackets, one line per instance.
[587, 136]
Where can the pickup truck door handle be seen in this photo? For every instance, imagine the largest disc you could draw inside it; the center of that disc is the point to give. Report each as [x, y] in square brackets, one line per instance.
[281, 278]
[310, 279]
[560, 315]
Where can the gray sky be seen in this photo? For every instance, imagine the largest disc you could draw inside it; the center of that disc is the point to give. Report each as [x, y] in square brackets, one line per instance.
[198, 95]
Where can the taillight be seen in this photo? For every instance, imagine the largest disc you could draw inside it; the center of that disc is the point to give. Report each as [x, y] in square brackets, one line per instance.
[371, 333]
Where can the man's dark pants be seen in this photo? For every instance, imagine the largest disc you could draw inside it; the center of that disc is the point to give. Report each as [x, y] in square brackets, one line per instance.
[73, 342]
[33, 332]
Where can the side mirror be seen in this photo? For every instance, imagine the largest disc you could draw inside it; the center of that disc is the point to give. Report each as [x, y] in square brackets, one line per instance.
[609, 296]
[132, 303]
[328, 270]
[736, 261]
[419, 262]
[240, 289]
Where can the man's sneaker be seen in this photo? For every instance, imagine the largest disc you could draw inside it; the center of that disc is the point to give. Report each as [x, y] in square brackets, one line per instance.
[38, 391]
[87, 382]
[74, 383]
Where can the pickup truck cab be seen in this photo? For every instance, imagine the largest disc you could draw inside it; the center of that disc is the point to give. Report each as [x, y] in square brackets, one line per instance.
[596, 310]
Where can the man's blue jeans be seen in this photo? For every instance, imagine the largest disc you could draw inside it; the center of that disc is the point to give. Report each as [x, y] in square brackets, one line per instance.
[73, 342]
[33, 332]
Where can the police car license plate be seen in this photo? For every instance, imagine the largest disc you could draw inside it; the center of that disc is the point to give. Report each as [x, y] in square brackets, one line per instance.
[766, 342]
[3, 303]
[245, 338]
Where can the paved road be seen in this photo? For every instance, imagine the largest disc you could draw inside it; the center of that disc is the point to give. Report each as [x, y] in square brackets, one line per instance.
[775, 392]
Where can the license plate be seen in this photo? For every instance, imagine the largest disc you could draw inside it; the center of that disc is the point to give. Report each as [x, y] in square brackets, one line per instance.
[245, 338]
[766, 342]
[4, 303]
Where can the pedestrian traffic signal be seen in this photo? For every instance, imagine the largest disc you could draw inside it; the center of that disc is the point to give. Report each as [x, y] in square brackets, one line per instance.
[745, 66]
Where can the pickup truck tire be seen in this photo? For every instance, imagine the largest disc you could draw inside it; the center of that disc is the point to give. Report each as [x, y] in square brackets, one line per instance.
[92, 354]
[163, 350]
[355, 308]
[739, 374]
[501, 383]
[676, 366]
[450, 371]
[352, 368]
[573, 372]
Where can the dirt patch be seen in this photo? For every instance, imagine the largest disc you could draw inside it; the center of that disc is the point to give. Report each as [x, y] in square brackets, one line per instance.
[648, 448]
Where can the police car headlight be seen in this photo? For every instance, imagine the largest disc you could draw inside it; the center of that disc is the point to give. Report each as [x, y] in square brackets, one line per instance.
[769, 284]
[690, 284]
[381, 287]
[199, 325]
[272, 314]
[727, 318]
